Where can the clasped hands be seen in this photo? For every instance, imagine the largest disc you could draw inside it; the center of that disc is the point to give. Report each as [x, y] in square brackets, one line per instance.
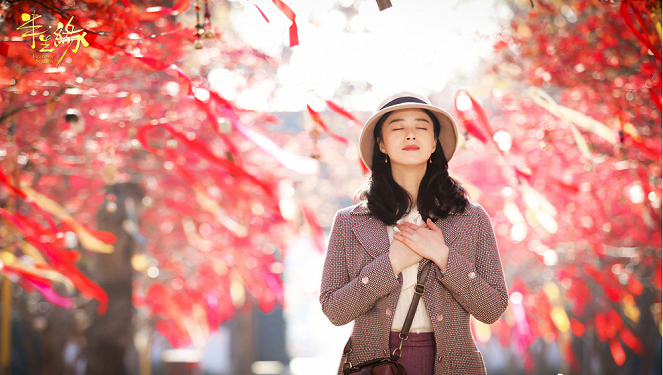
[422, 241]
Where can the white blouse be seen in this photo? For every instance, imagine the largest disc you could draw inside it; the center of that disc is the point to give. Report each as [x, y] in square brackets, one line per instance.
[421, 321]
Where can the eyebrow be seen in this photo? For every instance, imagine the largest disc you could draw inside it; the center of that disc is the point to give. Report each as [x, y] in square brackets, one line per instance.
[401, 120]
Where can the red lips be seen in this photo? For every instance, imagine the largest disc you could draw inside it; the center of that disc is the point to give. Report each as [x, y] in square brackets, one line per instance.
[411, 148]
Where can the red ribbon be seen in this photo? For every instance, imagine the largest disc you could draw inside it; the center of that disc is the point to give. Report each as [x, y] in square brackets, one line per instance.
[259, 10]
[87, 287]
[202, 149]
[318, 120]
[657, 99]
[631, 340]
[644, 38]
[230, 191]
[228, 111]
[340, 110]
[294, 39]
[157, 12]
[30, 282]
[215, 126]
[50, 295]
[5, 181]
[475, 120]
[4, 49]
[317, 235]
[288, 160]
[141, 136]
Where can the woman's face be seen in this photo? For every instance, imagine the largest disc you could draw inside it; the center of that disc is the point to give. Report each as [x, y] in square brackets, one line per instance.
[408, 137]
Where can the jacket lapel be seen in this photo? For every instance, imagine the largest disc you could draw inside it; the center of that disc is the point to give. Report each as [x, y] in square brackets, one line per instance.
[372, 232]
[446, 225]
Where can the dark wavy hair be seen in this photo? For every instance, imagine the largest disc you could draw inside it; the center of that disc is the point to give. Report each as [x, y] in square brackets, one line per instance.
[439, 194]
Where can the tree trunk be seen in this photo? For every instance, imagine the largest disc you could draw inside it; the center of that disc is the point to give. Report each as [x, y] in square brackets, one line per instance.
[110, 337]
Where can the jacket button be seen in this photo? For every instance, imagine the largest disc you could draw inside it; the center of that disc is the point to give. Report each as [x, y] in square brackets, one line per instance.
[440, 317]
[472, 275]
[364, 280]
[388, 312]
[439, 358]
[385, 351]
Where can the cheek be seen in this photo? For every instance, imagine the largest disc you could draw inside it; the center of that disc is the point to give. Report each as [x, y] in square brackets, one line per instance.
[433, 141]
[388, 143]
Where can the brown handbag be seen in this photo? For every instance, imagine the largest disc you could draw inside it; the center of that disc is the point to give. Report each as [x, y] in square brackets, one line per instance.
[388, 365]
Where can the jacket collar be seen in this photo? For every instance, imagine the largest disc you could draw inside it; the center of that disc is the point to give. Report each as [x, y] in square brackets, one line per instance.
[373, 236]
[361, 208]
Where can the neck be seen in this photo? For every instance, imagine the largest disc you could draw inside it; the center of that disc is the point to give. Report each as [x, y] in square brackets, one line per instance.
[409, 178]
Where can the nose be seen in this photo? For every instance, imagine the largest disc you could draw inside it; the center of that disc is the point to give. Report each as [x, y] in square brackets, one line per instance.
[410, 133]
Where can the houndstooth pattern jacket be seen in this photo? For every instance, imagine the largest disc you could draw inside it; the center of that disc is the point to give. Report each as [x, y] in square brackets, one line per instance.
[358, 283]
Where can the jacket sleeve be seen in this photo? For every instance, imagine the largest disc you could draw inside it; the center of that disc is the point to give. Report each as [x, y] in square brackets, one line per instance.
[478, 286]
[343, 298]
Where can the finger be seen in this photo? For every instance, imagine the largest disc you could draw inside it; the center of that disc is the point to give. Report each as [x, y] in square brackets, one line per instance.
[403, 237]
[406, 230]
[404, 240]
[411, 237]
[409, 243]
[400, 235]
[432, 225]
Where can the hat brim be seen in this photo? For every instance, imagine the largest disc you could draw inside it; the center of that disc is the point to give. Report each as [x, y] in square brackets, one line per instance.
[448, 131]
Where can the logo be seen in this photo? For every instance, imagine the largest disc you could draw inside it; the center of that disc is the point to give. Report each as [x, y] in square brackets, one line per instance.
[63, 35]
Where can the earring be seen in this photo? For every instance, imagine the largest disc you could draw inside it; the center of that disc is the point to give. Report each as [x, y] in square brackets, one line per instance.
[430, 161]
[385, 158]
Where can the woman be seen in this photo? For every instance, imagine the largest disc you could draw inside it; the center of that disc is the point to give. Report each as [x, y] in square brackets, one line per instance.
[412, 212]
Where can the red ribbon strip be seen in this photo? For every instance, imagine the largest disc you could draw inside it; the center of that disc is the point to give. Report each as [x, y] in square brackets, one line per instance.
[623, 8]
[341, 111]
[288, 160]
[156, 12]
[30, 281]
[318, 120]
[483, 119]
[259, 10]
[51, 295]
[230, 191]
[87, 287]
[228, 111]
[4, 49]
[237, 155]
[202, 149]
[317, 235]
[338, 109]
[469, 118]
[5, 181]
[294, 39]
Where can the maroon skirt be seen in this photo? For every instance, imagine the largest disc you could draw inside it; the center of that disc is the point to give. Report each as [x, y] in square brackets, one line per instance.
[418, 355]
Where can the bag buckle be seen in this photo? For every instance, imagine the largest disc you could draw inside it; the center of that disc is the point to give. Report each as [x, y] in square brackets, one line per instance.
[419, 289]
[347, 365]
[399, 349]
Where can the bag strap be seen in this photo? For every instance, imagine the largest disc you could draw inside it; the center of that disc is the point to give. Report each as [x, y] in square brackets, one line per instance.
[418, 292]
[405, 331]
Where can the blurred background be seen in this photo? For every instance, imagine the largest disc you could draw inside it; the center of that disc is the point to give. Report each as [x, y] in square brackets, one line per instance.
[169, 171]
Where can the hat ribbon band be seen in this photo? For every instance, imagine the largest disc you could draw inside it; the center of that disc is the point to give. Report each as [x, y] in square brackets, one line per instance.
[403, 99]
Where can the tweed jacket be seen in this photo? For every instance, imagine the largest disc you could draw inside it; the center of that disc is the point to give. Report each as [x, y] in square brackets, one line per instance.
[358, 283]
